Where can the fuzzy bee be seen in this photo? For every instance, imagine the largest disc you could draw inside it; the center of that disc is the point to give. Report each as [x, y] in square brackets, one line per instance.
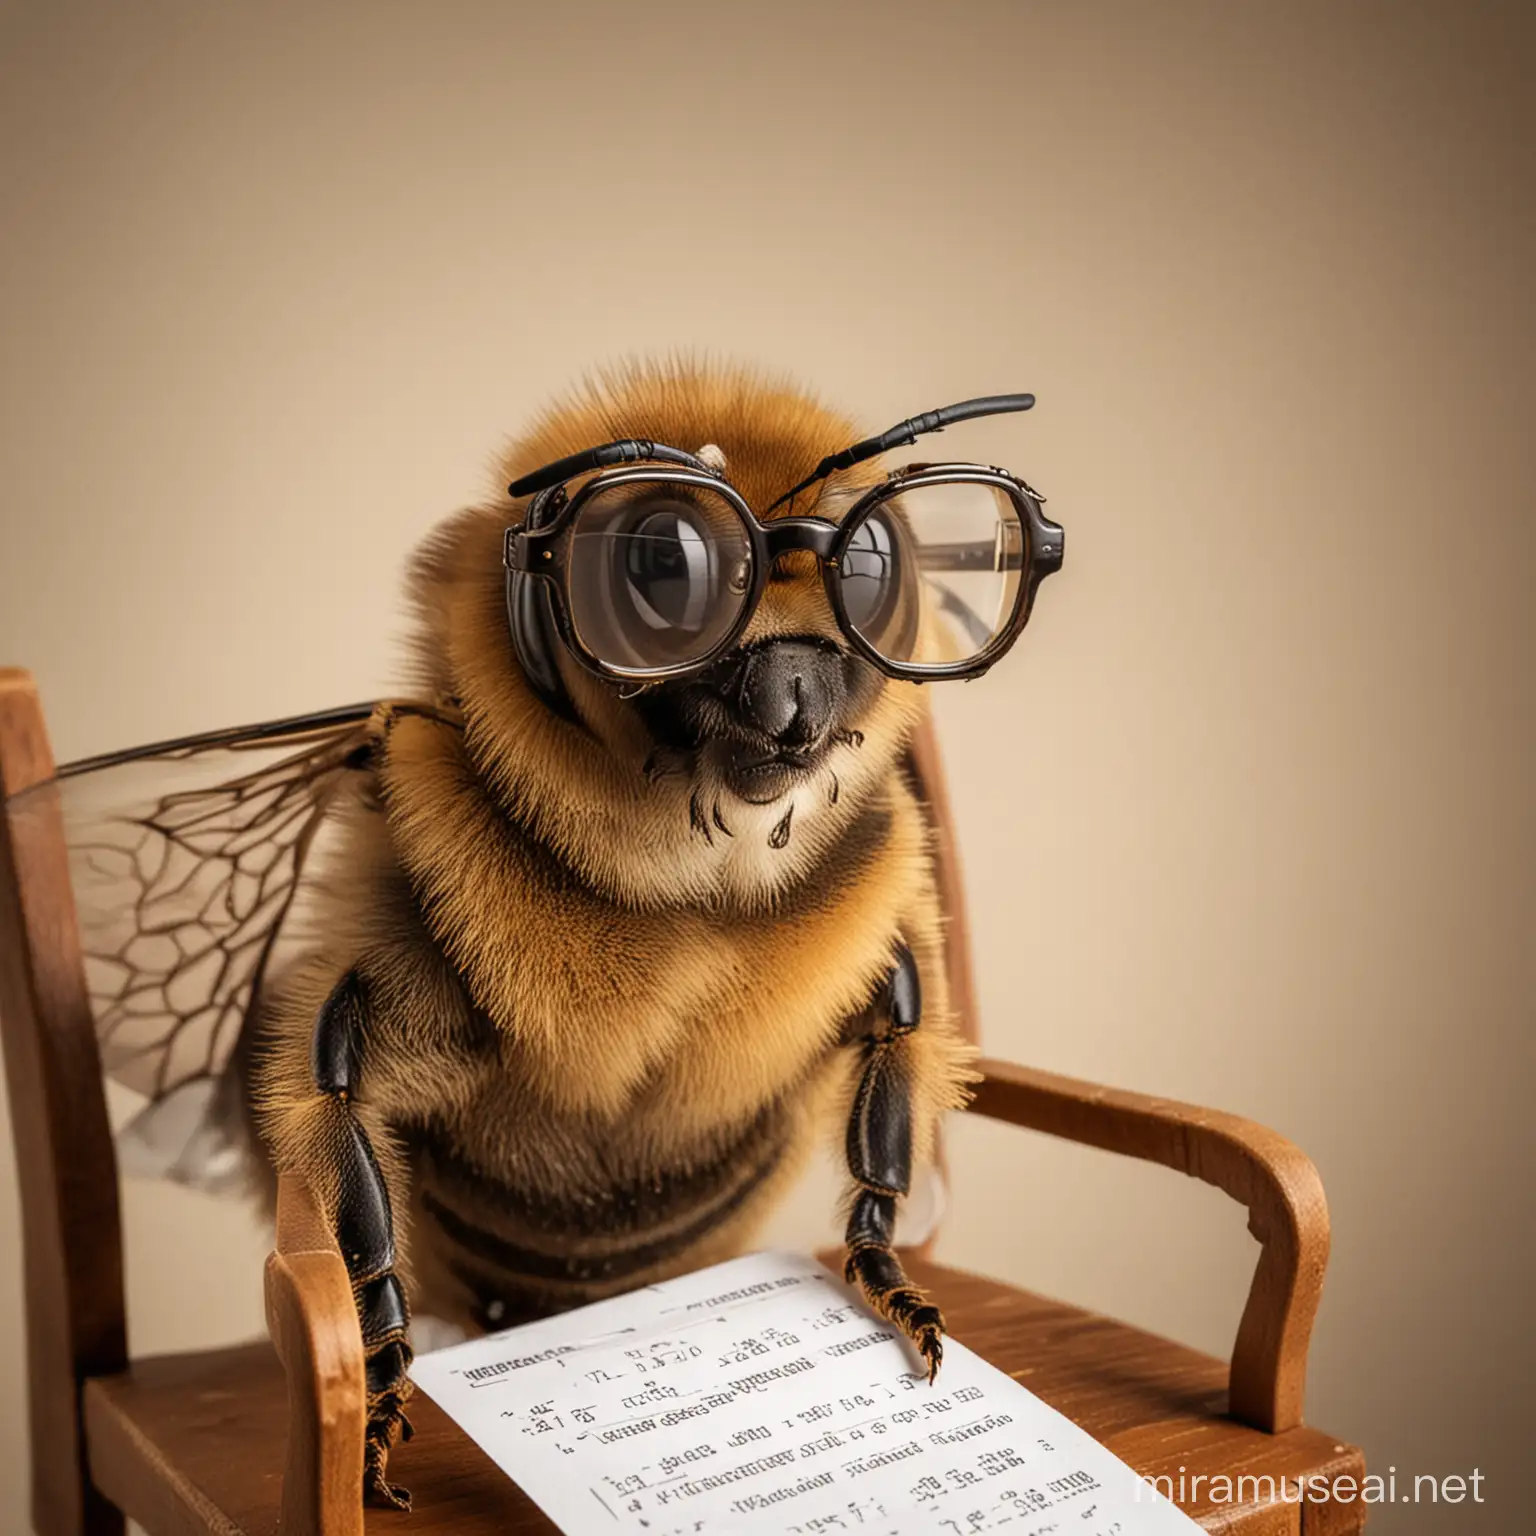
[549, 978]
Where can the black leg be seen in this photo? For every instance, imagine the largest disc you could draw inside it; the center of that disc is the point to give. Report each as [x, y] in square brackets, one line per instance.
[366, 1236]
[880, 1160]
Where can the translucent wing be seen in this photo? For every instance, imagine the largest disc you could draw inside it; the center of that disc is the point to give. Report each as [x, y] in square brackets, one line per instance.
[186, 859]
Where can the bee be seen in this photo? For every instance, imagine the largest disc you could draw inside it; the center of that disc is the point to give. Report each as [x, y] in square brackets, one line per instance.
[549, 976]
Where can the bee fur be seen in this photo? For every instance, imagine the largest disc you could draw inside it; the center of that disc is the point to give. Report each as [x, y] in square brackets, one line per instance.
[574, 1012]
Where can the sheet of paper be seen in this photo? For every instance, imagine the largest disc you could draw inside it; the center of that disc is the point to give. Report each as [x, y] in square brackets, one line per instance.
[762, 1396]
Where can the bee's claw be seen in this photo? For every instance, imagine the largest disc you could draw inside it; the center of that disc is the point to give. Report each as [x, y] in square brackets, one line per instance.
[388, 1495]
[389, 1425]
[930, 1345]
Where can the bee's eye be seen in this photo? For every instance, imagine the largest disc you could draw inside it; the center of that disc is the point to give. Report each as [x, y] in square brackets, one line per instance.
[871, 573]
[657, 577]
[667, 570]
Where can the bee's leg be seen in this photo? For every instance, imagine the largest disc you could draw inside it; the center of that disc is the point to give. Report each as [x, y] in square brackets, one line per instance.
[365, 1233]
[880, 1160]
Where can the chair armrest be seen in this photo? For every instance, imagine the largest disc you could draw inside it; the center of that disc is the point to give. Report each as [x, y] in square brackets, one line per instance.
[1272, 1177]
[313, 1322]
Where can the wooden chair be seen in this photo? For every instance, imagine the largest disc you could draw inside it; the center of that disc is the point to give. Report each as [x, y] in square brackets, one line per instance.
[251, 1439]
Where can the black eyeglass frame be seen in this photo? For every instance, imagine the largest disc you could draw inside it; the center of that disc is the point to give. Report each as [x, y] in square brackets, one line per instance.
[540, 549]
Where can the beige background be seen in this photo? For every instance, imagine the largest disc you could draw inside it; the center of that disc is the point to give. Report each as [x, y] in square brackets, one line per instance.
[1248, 817]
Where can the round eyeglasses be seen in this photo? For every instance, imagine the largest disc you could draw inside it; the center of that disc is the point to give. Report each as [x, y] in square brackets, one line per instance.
[656, 571]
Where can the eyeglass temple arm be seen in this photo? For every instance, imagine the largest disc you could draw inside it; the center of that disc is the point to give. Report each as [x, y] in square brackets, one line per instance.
[627, 450]
[908, 431]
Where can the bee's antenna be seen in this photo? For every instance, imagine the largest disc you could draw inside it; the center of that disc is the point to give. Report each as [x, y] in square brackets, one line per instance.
[627, 450]
[907, 431]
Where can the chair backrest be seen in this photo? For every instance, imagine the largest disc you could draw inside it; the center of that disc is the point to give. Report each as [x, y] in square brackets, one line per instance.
[71, 1229]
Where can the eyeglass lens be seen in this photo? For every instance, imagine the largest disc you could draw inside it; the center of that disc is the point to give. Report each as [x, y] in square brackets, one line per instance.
[657, 574]
[931, 575]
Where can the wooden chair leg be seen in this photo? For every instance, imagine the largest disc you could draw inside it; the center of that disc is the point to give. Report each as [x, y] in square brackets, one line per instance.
[313, 1322]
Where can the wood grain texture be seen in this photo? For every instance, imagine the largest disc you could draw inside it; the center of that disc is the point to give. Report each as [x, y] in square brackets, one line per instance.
[185, 1434]
[70, 1228]
[1287, 1212]
[312, 1319]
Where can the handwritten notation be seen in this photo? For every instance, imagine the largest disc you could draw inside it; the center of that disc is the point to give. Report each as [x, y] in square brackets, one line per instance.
[762, 1396]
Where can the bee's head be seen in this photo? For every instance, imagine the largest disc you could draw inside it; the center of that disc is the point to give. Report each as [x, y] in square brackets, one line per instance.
[733, 779]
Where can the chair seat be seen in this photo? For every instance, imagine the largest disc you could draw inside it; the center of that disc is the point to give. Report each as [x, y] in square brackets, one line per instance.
[195, 1442]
